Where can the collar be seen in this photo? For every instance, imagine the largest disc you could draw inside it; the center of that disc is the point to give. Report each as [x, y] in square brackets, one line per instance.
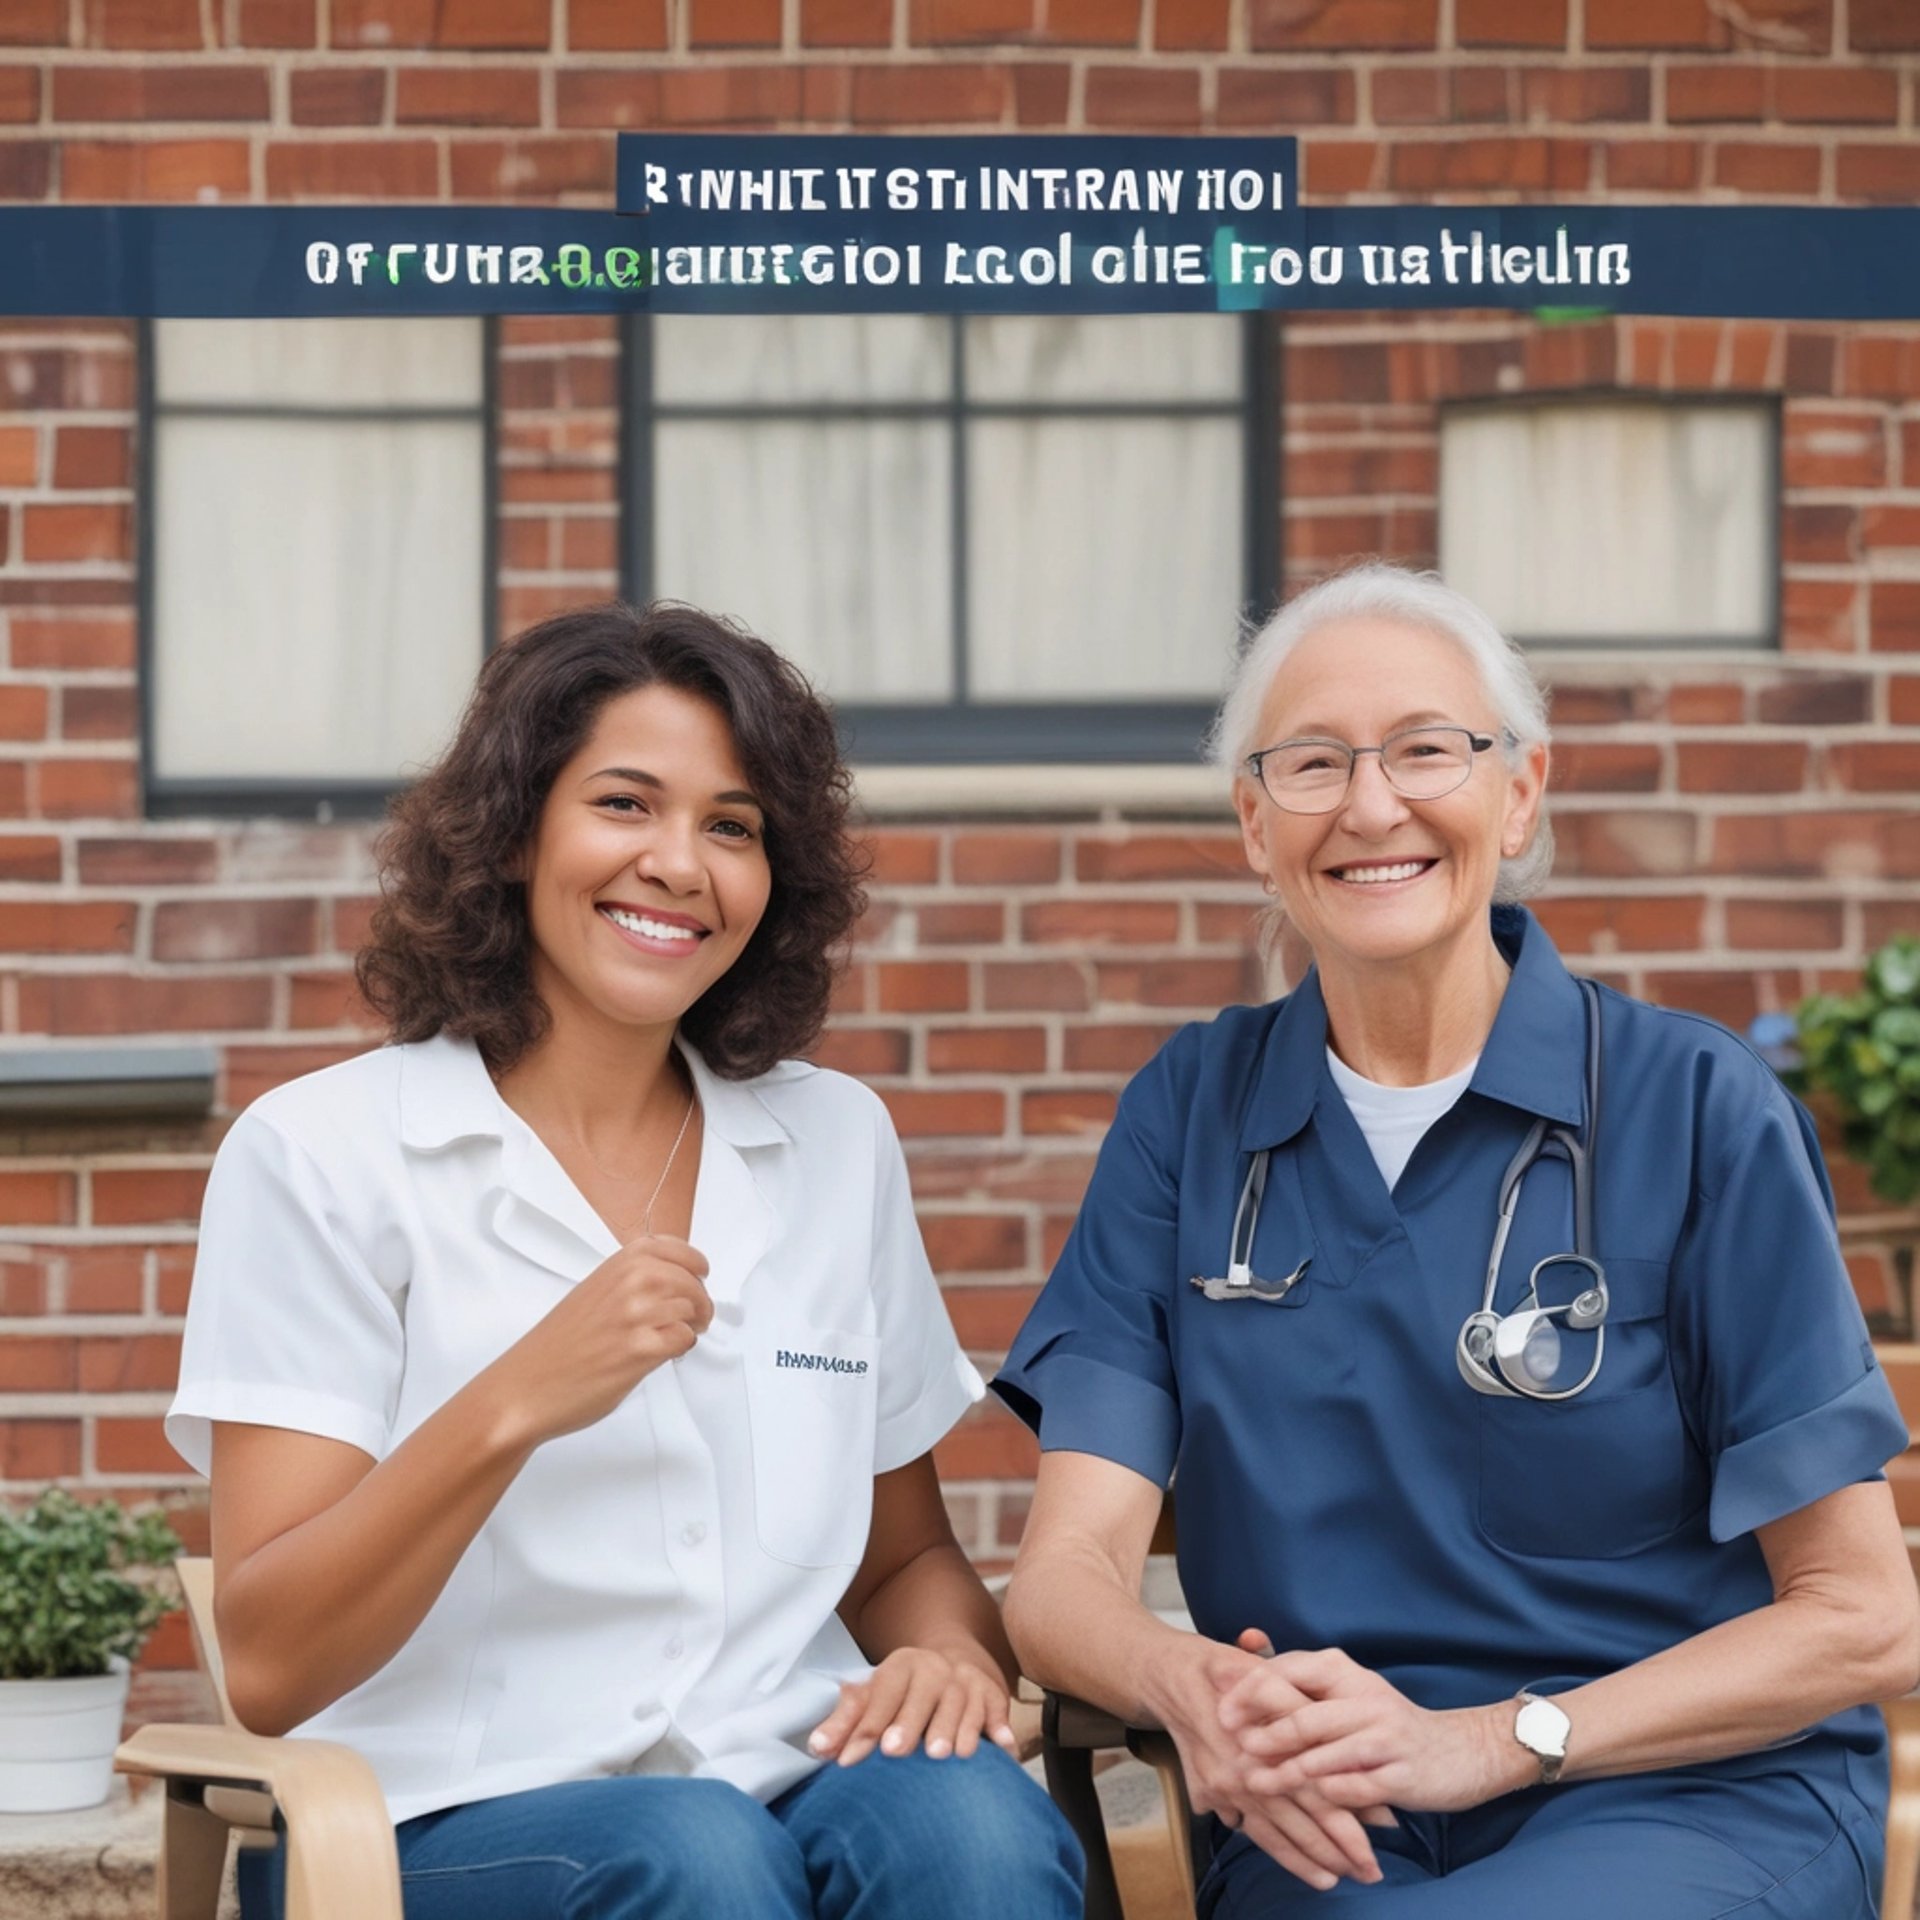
[446, 1094]
[1534, 1059]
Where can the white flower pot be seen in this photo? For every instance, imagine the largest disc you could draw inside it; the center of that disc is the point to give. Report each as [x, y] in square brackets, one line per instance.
[57, 1739]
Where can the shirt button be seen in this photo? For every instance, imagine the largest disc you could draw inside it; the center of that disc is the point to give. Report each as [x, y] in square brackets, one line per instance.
[693, 1533]
[674, 1648]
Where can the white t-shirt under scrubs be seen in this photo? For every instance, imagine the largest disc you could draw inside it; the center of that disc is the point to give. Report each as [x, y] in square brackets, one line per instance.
[654, 1593]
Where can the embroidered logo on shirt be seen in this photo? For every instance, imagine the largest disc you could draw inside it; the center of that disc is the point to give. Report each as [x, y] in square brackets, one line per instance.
[817, 1362]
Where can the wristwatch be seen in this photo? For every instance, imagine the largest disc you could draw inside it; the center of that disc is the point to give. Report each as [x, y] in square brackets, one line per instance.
[1542, 1729]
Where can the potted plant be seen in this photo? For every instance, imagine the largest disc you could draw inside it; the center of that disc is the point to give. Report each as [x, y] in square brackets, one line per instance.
[1861, 1050]
[73, 1612]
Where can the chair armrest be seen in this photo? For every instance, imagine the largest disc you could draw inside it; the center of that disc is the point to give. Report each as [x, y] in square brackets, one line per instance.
[341, 1856]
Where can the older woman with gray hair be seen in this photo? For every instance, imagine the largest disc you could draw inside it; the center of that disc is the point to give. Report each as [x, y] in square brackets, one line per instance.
[1528, 1437]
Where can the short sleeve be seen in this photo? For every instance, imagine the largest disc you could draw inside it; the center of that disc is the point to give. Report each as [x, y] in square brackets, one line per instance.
[926, 1380]
[1091, 1371]
[286, 1327]
[1788, 1399]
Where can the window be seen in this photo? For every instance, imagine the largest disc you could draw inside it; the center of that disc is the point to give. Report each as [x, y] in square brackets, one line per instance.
[316, 555]
[990, 538]
[1615, 520]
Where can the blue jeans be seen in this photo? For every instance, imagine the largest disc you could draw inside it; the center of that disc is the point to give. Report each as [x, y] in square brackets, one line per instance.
[936, 1839]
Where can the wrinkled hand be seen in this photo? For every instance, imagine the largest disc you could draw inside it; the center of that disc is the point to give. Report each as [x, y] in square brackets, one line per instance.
[1319, 1842]
[916, 1697]
[1321, 1722]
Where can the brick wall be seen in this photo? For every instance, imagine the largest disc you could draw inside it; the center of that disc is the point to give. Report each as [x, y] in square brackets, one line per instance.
[1734, 829]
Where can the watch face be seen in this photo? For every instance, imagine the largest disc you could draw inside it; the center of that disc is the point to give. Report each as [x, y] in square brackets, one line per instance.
[1543, 1728]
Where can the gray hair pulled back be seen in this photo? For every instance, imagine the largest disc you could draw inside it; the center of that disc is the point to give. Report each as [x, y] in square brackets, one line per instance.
[1377, 591]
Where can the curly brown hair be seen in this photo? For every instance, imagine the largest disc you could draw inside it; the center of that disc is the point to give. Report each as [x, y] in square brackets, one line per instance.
[450, 949]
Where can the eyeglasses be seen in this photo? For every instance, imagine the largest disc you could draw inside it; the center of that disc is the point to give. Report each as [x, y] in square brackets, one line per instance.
[1421, 763]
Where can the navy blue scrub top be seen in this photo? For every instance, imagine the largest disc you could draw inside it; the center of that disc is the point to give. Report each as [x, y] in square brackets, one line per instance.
[1338, 1483]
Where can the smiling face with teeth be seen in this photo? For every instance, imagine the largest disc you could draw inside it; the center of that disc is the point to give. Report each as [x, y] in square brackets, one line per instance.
[648, 872]
[1383, 878]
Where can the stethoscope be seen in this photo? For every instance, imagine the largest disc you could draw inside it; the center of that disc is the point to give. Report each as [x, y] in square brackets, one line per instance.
[1512, 1354]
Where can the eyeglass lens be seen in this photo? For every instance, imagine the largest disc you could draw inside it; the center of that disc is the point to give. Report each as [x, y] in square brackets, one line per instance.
[1311, 776]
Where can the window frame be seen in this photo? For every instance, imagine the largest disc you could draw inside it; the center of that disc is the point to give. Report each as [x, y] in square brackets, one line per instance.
[247, 795]
[960, 731]
[1770, 639]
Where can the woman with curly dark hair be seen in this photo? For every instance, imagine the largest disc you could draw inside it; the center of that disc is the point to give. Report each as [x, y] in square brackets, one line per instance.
[567, 1371]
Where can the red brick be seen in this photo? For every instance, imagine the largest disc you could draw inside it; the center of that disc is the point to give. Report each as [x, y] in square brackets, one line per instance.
[864, 1051]
[37, 1199]
[1013, 858]
[921, 986]
[988, 1444]
[1035, 986]
[846, 23]
[99, 1003]
[1581, 767]
[19, 456]
[1803, 26]
[325, 1000]
[1489, 162]
[1893, 616]
[97, 530]
[985, 1319]
[1620, 845]
[253, 1071]
[1192, 26]
[1819, 616]
[1881, 365]
[1081, 1111]
[474, 24]
[278, 23]
[1150, 97]
[922, 1113]
[30, 1364]
[616, 26]
[730, 96]
[1766, 166]
[155, 170]
[607, 97]
[970, 923]
[157, 25]
[1903, 699]
[19, 95]
[1171, 983]
[132, 1446]
[902, 857]
[1653, 166]
[1731, 998]
[1821, 447]
[1639, 923]
[1410, 96]
[1890, 172]
[353, 170]
[1836, 96]
[466, 96]
[1883, 26]
[1042, 92]
[338, 96]
[1381, 26]
[79, 644]
[1890, 529]
[1284, 97]
[1161, 856]
[85, 789]
[1114, 1046]
[29, 856]
[987, 1049]
[152, 861]
[1347, 472]
[104, 1280]
[1716, 93]
[948, 94]
[1876, 766]
[26, 170]
[33, 23]
[23, 712]
[933, 23]
[1819, 535]
[1815, 700]
[92, 457]
[1510, 23]
[1573, 94]
[160, 93]
[141, 1363]
[975, 1242]
[1811, 361]
[733, 23]
[1342, 166]
[39, 1450]
[224, 930]
[1081, 922]
[66, 926]
[1742, 766]
[1860, 843]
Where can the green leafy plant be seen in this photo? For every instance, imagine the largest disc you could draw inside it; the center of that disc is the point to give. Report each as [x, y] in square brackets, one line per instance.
[67, 1603]
[1862, 1049]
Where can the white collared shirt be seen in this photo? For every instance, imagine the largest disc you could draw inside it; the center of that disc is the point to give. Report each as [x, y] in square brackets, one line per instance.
[653, 1593]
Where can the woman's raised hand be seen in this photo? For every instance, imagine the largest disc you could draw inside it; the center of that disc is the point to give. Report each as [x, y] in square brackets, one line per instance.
[916, 1697]
[639, 1308]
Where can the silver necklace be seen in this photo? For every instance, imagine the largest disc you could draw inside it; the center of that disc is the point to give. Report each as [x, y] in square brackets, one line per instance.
[659, 1186]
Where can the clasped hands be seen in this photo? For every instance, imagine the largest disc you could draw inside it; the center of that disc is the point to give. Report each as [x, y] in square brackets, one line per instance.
[1308, 1750]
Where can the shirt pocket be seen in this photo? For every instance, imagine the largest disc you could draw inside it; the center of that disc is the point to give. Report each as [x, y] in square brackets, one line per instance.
[812, 1394]
[1608, 1473]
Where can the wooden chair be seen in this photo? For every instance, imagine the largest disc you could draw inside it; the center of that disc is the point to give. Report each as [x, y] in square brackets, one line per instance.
[1073, 1732]
[322, 1797]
